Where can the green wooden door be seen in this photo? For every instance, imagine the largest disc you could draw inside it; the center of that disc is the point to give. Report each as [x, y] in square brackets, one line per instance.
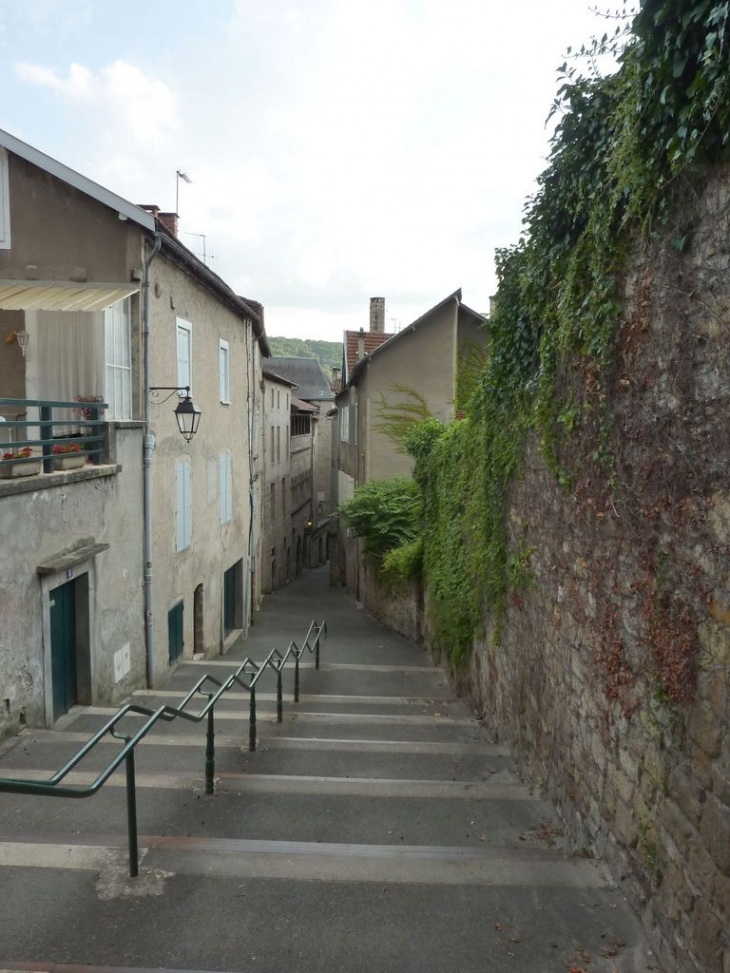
[175, 632]
[63, 648]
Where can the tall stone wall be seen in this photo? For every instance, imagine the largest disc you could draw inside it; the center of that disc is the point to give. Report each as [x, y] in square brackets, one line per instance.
[612, 673]
[609, 675]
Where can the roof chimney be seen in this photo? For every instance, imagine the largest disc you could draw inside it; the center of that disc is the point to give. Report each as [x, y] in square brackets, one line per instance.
[168, 220]
[377, 314]
[361, 344]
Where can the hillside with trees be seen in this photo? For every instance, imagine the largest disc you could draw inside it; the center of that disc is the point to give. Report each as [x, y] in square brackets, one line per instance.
[327, 353]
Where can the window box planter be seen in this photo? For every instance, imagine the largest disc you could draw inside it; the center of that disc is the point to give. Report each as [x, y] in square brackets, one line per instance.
[13, 470]
[69, 461]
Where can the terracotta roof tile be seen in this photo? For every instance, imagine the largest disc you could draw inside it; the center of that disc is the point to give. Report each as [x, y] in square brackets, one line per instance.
[372, 340]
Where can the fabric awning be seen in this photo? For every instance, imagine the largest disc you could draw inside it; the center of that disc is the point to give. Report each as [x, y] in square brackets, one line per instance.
[39, 295]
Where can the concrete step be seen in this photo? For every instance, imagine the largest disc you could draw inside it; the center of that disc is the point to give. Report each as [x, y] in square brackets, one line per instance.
[238, 701]
[430, 911]
[181, 754]
[304, 809]
[321, 725]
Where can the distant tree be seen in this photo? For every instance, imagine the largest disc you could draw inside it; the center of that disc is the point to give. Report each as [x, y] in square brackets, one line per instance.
[327, 353]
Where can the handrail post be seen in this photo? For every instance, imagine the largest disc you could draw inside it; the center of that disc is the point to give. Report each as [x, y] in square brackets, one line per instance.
[210, 753]
[252, 720]
[45, 427]
[132, 816]
[279, 697]
[296, 677]
[316, 649]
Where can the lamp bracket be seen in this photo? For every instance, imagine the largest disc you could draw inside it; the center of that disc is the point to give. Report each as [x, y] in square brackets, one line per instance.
[155, 390]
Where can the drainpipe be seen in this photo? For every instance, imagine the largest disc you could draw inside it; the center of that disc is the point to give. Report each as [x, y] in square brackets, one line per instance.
[149, 446]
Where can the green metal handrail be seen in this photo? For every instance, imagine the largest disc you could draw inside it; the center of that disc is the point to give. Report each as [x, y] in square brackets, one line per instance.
[90, 416]
[275, 659]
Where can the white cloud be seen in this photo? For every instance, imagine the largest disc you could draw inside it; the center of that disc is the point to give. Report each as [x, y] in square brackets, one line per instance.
[131, 104]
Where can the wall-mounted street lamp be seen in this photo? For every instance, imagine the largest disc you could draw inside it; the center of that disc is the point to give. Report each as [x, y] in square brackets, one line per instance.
[188, 417]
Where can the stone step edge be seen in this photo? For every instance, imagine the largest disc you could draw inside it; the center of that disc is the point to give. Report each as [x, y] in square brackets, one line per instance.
[163, 857]
[302, 785]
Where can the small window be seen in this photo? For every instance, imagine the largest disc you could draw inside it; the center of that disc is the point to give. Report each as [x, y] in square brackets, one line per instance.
[345, 423]
[184, 509]
[4, 201]
[278, 444]
[272, 398]
[273, 500]
[226, 488]
[184, 353]
[272, 444]
[278, 398]
[283, 495]
[225, 387]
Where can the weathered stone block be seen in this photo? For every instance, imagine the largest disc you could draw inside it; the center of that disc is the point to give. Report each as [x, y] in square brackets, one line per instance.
[705, 730]
[702, 869]
[626, 827]
[715, 832]
[687, 794]
[680, 828]
[708, 938]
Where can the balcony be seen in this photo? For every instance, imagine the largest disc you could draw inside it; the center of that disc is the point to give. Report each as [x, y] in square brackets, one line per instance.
[40, 439]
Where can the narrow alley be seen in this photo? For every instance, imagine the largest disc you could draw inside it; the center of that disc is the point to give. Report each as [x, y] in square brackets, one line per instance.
[375, 829]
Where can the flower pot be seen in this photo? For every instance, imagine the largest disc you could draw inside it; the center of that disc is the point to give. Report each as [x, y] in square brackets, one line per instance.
[13, 470]
[69, 461]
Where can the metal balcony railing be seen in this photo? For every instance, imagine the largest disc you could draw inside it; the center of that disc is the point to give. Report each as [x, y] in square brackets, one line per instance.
[246, 675]
[44, 440]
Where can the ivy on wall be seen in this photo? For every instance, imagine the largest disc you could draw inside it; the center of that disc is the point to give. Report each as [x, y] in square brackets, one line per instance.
[624, 146]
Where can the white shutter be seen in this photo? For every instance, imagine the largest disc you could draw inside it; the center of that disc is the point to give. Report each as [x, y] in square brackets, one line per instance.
[184, 353]
[4, 202]
[223, 370]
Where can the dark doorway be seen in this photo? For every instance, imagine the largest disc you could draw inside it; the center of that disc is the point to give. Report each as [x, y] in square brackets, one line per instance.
[175, 639]
[198, 637]
[64, 680]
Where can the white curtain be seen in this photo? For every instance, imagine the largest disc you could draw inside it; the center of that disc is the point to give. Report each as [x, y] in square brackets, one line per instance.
[70, 354]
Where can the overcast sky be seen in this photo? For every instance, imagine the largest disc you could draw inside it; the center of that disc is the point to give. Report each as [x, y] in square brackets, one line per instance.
[338, 149]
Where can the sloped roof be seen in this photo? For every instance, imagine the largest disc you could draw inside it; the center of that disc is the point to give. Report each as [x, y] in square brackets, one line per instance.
[308, 375]
[75, 179]
[274, 377]
[363, 362]
[371, 340]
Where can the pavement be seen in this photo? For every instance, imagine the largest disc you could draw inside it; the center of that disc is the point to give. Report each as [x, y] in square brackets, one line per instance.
[376, 828]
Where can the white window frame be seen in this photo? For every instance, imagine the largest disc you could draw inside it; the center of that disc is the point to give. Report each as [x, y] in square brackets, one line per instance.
[184, 506]
[226, 488]
[184, 327]
[115, 317]
[224, 372]
[345, 424]
[4, 201]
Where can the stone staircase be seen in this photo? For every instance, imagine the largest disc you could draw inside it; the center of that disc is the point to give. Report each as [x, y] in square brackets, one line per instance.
[375, 829]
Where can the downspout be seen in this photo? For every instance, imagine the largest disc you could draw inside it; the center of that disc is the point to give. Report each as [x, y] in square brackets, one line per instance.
[149, 446]
[250, 369]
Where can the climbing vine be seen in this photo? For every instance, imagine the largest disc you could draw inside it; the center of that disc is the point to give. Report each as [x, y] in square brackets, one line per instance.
[623, 149]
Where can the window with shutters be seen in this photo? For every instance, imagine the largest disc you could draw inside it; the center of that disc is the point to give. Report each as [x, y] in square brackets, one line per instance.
[226, 487]
[184, 353]
[4, 202]
[225, 388]
[184, 506]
